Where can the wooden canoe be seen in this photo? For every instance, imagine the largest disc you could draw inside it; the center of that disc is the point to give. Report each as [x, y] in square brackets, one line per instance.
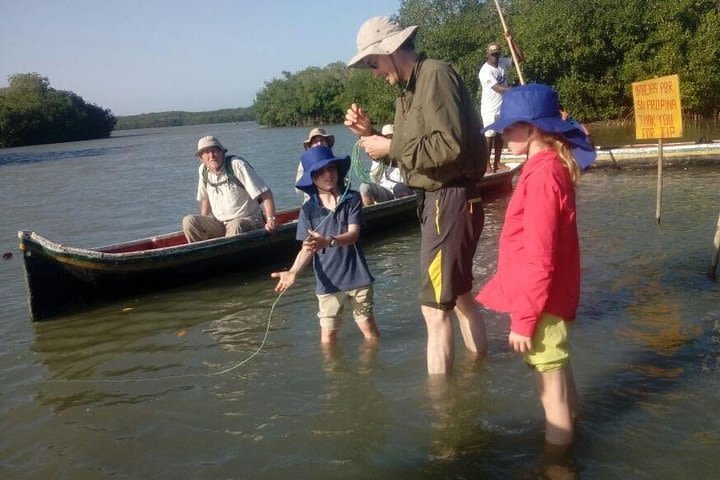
[62, 278]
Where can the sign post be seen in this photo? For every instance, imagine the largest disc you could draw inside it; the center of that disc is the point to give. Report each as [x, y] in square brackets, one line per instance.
[658, 114]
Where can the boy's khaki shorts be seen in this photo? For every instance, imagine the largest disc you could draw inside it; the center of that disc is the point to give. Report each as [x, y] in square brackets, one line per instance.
[330, 306]
[550, 345]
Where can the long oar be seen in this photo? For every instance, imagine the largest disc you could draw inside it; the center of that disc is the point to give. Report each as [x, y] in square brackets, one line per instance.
[510, 43]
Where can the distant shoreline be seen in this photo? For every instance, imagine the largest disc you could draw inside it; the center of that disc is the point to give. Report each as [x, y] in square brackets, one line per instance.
[180, 118]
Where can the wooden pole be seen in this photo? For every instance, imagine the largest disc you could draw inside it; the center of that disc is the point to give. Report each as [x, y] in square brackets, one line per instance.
[510, 44]
[658, 198]
[712, 271]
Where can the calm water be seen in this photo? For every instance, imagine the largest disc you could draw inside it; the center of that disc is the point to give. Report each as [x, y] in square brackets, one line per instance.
[74, 402]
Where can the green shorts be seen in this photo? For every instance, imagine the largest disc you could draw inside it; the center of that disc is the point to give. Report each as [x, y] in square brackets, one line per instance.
[330, 306]
[550, 345]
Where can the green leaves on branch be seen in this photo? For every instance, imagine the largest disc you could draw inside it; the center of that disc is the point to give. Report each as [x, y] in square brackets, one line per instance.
[31, 112]
[319, 96]
[591, 51]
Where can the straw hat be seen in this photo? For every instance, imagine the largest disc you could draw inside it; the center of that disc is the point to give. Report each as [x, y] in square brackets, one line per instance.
[319, 132]
[379, 36]
[208, 142]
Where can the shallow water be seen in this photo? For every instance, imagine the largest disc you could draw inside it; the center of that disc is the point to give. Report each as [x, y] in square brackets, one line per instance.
[140, 388]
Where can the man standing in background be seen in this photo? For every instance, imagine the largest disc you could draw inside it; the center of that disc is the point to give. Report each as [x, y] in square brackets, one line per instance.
[493, 84]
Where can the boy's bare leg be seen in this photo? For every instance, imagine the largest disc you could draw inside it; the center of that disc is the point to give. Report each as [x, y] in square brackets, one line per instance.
[369, 329]
[327, 335]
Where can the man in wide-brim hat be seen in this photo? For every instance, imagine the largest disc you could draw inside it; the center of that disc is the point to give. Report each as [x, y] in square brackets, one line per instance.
[233, 197]
[439, 148]
[317, 137]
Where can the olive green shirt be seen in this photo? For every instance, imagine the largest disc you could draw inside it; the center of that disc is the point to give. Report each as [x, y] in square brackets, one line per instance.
[437, 140]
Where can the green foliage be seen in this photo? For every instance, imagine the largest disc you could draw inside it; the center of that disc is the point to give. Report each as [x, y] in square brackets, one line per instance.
[318, 96]
[590, 51]
[31, 112]
[456, 31]
[174, 119]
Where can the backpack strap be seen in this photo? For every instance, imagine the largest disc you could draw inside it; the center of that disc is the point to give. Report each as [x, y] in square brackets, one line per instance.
[230, 172]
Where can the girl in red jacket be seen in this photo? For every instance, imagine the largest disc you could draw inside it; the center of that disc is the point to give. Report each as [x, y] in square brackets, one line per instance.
[538, 276]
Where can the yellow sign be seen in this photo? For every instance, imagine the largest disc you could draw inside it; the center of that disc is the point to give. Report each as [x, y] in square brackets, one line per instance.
[657, 108]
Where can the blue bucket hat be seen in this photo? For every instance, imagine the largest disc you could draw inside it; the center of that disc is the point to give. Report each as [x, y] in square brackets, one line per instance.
[538, 105]
[317, 158]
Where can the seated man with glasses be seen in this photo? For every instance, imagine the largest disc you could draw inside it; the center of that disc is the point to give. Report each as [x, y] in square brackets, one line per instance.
[233, 198]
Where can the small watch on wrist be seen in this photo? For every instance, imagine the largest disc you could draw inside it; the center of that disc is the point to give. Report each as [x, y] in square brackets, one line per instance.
[333, 242]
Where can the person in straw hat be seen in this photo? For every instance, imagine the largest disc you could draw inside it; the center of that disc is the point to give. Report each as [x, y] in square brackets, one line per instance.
[232, 196]
[439, 147]
[316, 137]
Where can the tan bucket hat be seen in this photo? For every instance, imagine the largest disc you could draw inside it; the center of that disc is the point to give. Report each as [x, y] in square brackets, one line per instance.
[208, 142]
[319, 132]
[379, 36]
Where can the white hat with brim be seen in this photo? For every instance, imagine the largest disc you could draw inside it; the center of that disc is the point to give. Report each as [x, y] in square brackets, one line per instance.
[319, 132]
[208, 142]
[379, 36]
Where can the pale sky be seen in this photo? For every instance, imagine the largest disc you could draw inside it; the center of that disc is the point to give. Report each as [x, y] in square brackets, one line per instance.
[141, 56]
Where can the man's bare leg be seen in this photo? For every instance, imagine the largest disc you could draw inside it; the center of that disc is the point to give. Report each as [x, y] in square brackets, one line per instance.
[440, 348]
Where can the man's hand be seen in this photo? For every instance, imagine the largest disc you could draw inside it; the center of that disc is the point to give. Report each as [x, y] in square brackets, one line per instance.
[286, 279]
[270, 225]
[357, 121]
[376, 146]
[519, 343]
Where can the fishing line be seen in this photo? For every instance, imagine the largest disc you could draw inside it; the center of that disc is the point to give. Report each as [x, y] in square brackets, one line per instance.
[187, 375]
[359, 170]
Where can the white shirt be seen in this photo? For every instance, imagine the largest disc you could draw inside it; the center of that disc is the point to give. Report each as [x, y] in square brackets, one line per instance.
[391, 177]
[490, 76]
[228, 200]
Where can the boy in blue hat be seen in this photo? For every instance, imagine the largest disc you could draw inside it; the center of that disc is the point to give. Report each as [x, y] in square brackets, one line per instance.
[329, 227]
[538, 276]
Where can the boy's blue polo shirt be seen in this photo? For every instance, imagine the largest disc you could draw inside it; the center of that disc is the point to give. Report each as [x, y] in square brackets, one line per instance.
[336, 268]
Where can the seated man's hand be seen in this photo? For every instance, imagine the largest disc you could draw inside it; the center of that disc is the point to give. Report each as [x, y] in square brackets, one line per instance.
[270, 225]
